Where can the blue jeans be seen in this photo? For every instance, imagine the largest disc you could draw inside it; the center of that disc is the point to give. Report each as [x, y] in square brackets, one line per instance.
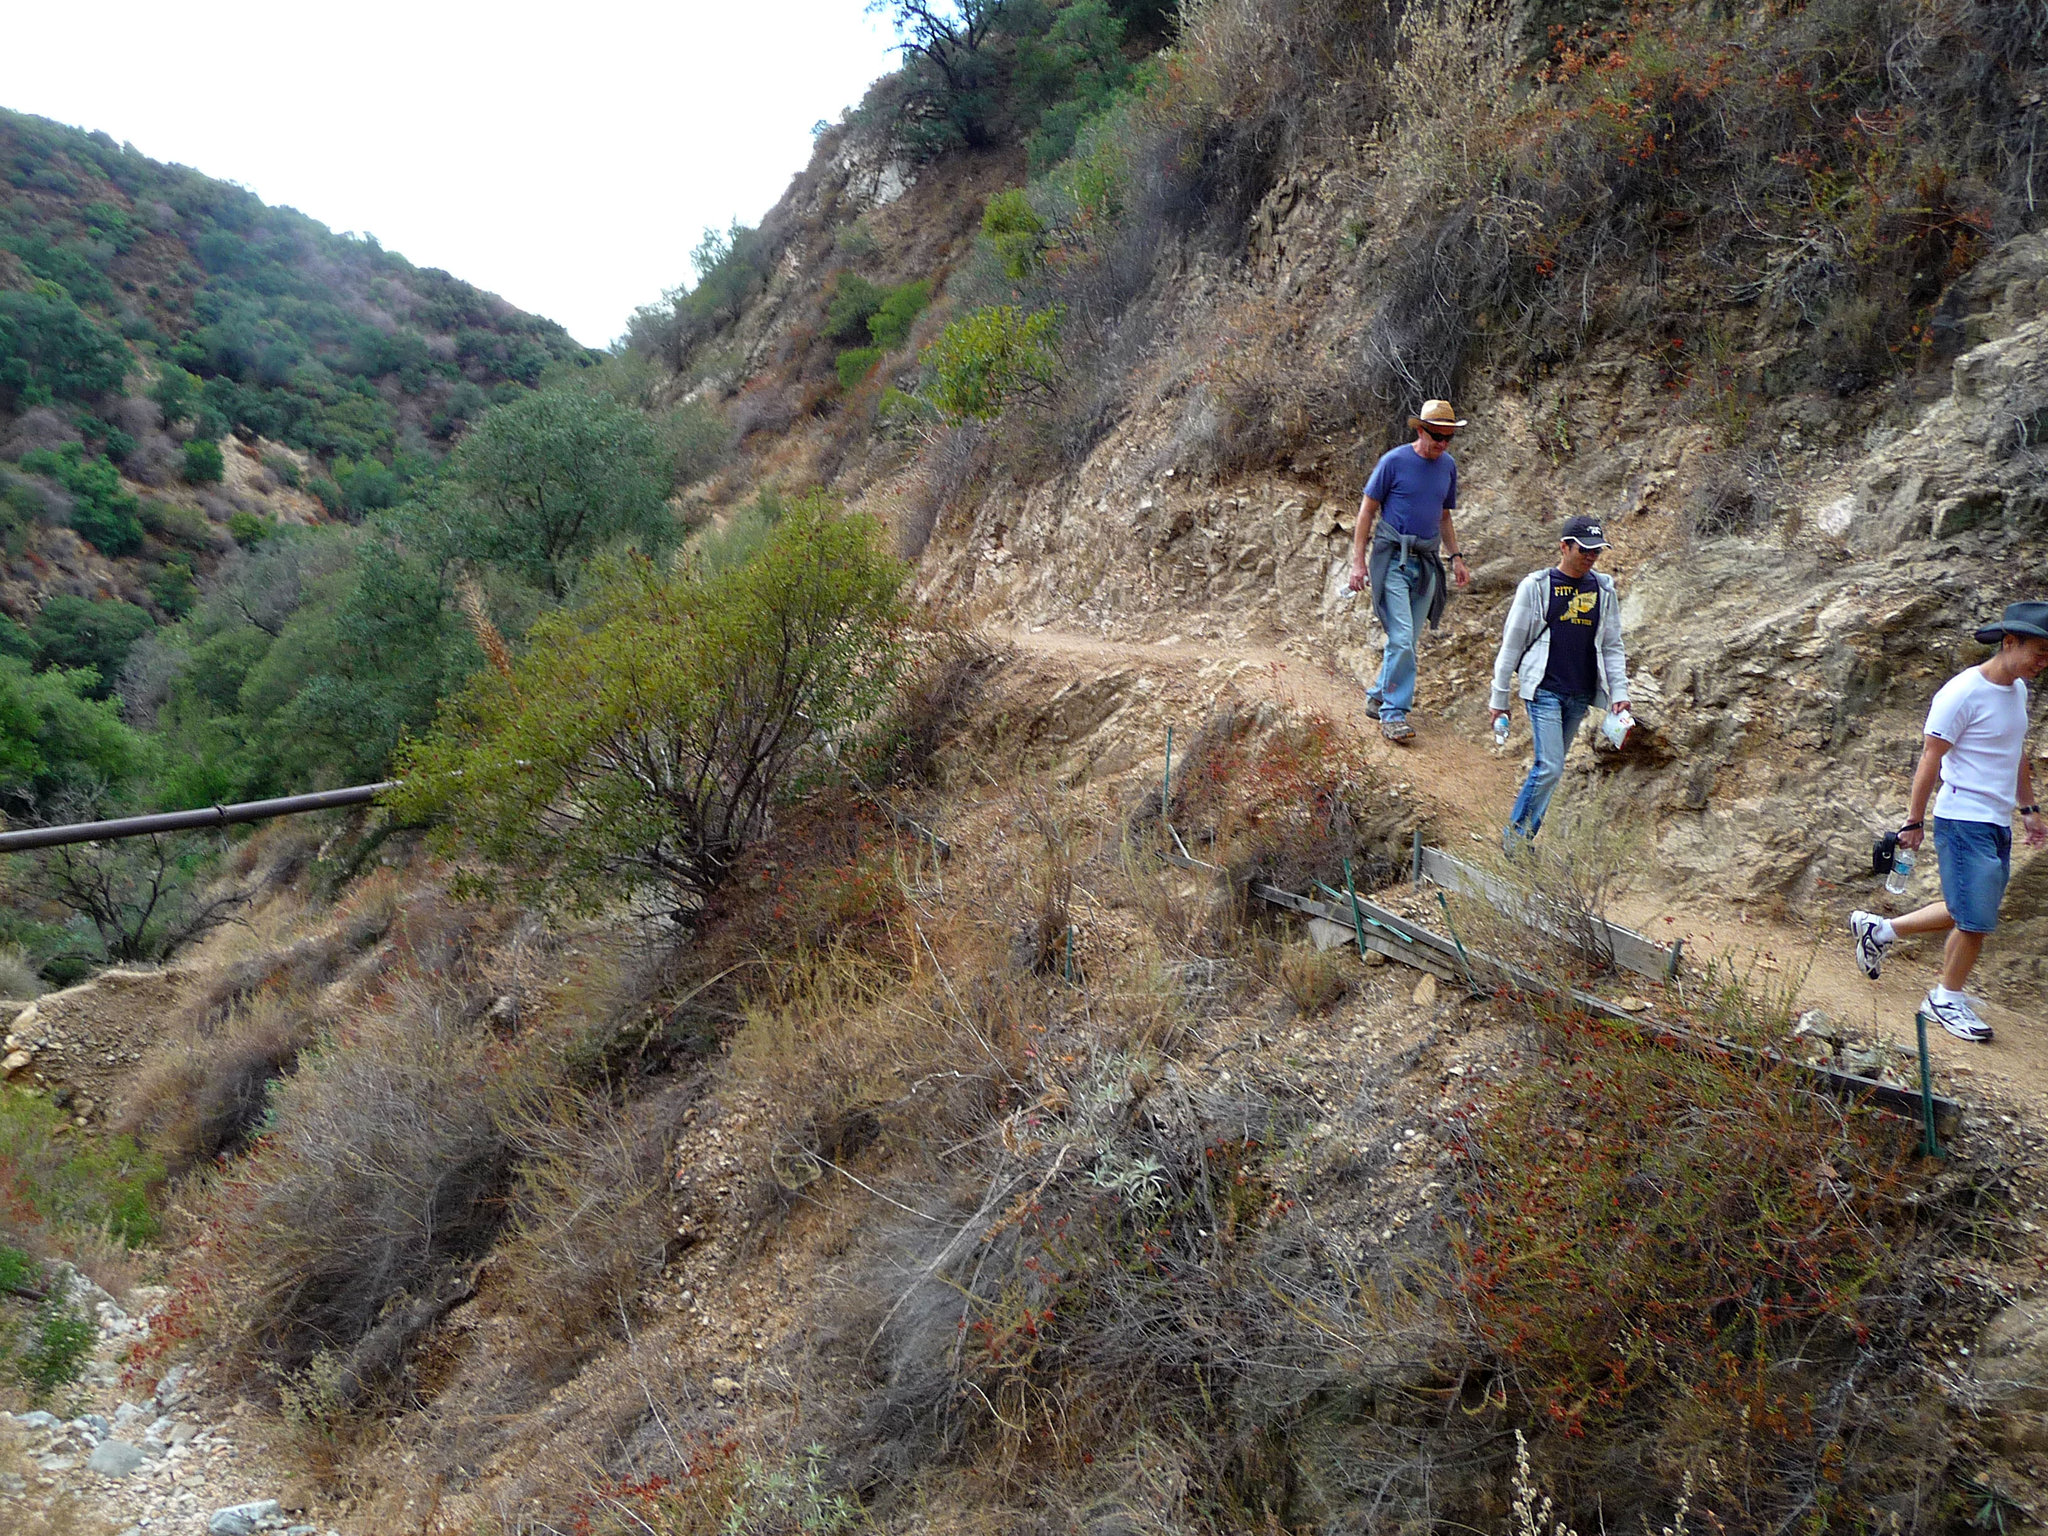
[1407, 594]
[1976, 862]
[1554, 719]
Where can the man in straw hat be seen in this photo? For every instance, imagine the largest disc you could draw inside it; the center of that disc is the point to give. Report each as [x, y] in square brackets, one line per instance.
[1976, 747]
[1415, 486]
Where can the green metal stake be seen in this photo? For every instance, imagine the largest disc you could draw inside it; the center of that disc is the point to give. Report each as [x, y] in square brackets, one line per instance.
[1471, 981]
[1357, 922]
[1166, 781]
[1415, 872]
[1932, 1145]
[1671, 969]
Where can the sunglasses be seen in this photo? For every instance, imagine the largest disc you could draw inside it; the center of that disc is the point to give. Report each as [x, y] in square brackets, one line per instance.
[1442, 437]
[1590, 551]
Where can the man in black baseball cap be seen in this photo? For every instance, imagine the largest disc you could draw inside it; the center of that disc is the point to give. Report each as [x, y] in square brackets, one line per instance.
[1975, 750]
[1563, 638]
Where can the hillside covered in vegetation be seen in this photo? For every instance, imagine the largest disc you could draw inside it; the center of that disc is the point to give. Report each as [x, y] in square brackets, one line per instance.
[234, 535]
[804, 1050]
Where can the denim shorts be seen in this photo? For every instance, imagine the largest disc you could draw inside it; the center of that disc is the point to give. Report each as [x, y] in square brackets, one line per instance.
[1976, 861]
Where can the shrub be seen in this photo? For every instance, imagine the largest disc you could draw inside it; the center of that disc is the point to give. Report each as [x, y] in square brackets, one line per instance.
[854, 301]
[1675, 1258]
[79, 632]
[249, 529]
[204, 464]
[890, 323]
[51, 349]
[173, 588]
[986, 361]
[101, 512]
[856, 364]
[143, 899]
[640, 743]
[181, 525]
[57, 736]
[101, 1185]
[285, 468]
[52, 1345]
[386, 1166]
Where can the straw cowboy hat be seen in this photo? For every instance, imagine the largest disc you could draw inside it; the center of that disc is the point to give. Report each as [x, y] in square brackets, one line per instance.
[1438, 414]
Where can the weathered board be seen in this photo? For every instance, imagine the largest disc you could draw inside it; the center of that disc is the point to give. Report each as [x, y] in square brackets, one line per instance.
[1631, 950]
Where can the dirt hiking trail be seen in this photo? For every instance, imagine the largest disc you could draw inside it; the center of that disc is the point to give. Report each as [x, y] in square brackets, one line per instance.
[1469, 789]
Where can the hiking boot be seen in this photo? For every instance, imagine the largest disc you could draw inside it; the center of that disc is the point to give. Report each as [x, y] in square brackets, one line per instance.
[1373, 702]
[1957, 1017]
[1870, 949]
[1397, 731]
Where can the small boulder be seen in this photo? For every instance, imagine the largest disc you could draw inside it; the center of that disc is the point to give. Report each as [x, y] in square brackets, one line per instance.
[725, 1386]
[242, 1519]
[15, 1062]
[114, 1458]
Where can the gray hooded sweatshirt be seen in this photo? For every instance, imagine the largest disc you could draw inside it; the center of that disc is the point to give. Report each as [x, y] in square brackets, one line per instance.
[1525, 644]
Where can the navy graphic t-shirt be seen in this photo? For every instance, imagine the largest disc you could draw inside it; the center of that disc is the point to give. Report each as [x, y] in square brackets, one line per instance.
[1574, 615]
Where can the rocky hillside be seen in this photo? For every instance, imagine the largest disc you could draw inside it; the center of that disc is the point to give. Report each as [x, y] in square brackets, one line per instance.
[1809, 405]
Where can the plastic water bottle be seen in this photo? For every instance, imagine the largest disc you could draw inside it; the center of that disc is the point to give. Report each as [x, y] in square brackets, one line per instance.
[1500, 732]
[1902, 871]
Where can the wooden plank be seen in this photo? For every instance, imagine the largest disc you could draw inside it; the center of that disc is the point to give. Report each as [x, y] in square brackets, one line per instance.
[1433, 953]
[1421, 956]
[1631, 950]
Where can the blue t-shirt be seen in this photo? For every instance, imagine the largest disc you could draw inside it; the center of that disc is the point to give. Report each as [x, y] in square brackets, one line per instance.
[1413, 492]
[1574, 614]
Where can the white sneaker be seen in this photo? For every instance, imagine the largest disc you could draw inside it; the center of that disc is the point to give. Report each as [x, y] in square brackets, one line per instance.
[1870, 949]
[1957, 1017]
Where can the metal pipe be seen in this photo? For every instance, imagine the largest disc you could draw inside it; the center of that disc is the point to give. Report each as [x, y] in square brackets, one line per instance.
[188, 821]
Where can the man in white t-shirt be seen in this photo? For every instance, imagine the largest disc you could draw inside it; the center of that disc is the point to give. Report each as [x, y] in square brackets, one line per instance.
[1976, 746]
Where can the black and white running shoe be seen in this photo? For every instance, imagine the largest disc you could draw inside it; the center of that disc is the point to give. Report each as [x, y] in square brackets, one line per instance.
[1957, 1017]
[1870, 949]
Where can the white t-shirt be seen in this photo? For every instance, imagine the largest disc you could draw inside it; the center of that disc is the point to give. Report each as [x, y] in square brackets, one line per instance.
[1985, 726]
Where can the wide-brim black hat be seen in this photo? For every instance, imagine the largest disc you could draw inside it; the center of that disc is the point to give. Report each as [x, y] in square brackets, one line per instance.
[2020, 619]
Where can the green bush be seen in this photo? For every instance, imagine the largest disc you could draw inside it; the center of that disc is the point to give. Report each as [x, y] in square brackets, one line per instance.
[856, 364]
[854, 301]
[55, 735]
[80, 632]
[248, 528]
[176, 394]
[173, 588]
[101, 512]
[101, 1185]
[985, 361]
[186, 526]
[204, 464]
[640, 743]
[59, 1341]
[50, 349]
[890, 323]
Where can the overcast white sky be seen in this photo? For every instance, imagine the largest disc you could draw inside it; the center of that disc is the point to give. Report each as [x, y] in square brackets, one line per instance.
[566, 156]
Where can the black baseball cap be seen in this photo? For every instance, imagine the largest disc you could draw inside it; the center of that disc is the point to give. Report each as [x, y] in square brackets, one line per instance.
[1584, 532]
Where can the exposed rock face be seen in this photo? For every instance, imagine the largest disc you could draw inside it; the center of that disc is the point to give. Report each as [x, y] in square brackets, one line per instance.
[1979, 458]
[1781, 676]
